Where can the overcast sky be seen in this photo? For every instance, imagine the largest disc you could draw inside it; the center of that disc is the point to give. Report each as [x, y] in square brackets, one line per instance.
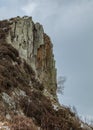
[69, 23]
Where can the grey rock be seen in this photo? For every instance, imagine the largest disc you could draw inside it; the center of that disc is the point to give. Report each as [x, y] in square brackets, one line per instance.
[36, 48]
[8, 100]
[8, 117]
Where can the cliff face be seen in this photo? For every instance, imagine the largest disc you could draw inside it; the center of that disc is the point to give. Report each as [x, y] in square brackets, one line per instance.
[28, 98]
[35, 47]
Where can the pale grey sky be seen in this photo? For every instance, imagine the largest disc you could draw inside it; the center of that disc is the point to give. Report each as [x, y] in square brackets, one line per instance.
[69, 23]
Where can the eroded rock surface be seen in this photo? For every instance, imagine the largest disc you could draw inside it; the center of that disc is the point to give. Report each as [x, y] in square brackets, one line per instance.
[36, 48]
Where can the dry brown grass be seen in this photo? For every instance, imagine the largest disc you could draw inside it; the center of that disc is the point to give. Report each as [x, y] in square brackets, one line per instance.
[22, 123]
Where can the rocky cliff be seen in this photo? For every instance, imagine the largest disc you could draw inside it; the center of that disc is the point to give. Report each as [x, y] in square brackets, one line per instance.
[36, 48]
[28, 98]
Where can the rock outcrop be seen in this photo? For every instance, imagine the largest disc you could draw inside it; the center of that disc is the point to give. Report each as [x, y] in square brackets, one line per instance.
[36, 48]
[28, 98]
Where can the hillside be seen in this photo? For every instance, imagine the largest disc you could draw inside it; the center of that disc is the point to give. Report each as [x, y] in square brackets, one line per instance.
[28, 99]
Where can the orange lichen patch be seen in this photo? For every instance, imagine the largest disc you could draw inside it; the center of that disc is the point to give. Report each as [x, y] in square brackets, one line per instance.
[44, 54]
[44, 65]
[48, 50]
[40, 57]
